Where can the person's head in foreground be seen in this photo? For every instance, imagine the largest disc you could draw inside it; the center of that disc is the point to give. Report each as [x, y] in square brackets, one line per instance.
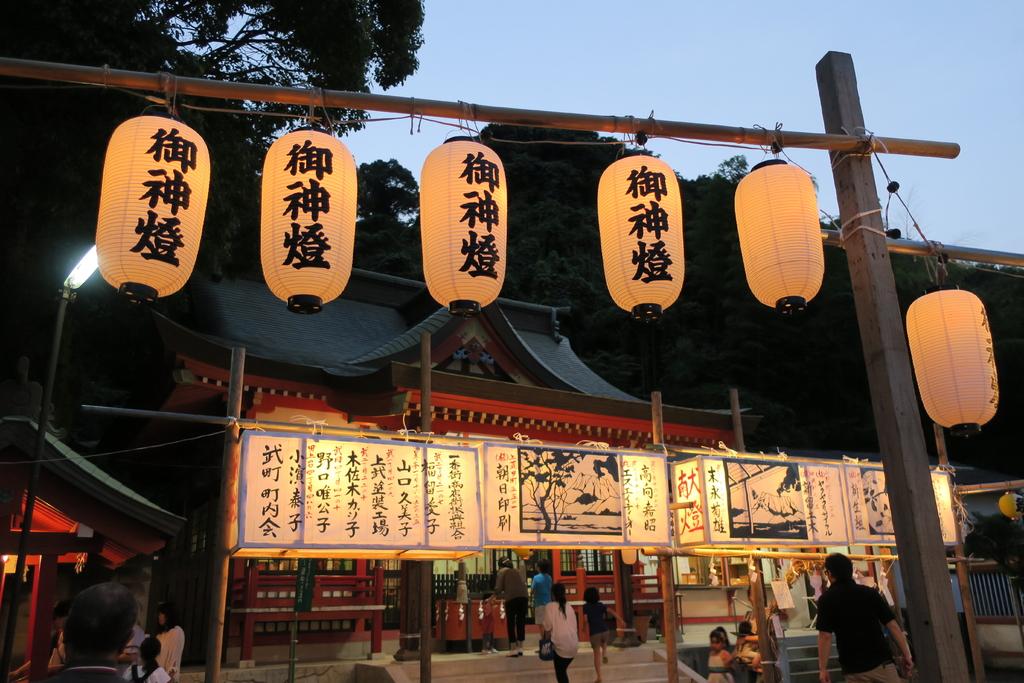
[839, 567]
[99, 624]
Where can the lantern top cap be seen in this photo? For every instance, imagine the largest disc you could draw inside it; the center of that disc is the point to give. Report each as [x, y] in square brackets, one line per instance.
[159, 113]
[464, 138]
[315, 127]
[769, 162]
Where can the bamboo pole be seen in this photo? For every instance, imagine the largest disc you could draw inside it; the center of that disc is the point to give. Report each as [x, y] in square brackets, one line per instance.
[962, 575]
[226, 522]
[992, 487]
[833, 238]
[413, 106]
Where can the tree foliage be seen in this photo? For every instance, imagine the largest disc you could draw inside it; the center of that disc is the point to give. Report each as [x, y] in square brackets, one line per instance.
[57, 137]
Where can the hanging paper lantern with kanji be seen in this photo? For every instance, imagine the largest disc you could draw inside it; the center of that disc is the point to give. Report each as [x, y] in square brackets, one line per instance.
[156, 178]
[308, 218]
[640, 213]
[463, 224]
[954, 363]
[780, 236]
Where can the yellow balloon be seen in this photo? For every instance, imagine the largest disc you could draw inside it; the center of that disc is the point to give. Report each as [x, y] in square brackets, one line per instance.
[1008, 505]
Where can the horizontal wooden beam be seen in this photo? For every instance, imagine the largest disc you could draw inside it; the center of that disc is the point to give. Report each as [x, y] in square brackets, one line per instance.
[467, 111]
[50, 543]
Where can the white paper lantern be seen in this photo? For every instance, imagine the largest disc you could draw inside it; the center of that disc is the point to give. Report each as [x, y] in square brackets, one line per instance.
[308, 218]
[780, 236]
[156, 179]
[463, 224]
[640, 213]
[951, 347]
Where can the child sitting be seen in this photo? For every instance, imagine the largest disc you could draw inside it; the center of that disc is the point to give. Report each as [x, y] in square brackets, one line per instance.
[719, 659]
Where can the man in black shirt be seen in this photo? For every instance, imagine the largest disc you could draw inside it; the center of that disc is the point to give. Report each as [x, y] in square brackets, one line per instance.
[856, 615]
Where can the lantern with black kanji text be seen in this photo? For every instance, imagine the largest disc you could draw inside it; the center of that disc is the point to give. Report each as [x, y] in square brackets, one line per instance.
[156, 178]
[954, 361]
[780, 237]
[308, 218]
[640, 213]
[463, 224]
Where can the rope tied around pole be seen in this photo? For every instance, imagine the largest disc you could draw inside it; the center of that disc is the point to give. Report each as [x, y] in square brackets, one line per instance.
[169, 84]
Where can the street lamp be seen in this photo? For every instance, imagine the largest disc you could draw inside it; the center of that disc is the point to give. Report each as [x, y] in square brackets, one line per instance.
[75, 279]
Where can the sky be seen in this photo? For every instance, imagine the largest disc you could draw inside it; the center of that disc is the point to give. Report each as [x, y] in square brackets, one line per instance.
[949, 71]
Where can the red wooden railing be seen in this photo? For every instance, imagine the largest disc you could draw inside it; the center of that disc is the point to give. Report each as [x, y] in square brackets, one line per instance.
[270, 598]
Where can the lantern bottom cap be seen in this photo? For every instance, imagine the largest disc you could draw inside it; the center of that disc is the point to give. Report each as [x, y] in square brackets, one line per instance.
[137, 293]
[788, 305]
[965, 429]
[305, 304]
[646, 313]
[464, 307]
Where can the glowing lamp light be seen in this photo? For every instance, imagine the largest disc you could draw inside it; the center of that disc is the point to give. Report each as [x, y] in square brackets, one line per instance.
[156, 178]
[463, 225]
[83, 270]
[1010, 504]
[308, 218]
[780, 237]
[951, 347]
[640, 214]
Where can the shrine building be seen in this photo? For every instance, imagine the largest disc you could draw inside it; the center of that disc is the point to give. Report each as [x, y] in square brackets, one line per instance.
[507, 371]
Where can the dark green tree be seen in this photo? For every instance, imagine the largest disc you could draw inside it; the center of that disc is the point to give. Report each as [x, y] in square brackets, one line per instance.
[58, 135]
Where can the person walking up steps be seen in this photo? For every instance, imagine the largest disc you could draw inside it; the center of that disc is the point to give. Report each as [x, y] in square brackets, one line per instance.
[856, 615]
[597, 614]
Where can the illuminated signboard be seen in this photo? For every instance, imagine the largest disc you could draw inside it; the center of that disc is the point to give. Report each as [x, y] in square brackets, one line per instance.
[541, 496]
[746, 500]
[368, 498]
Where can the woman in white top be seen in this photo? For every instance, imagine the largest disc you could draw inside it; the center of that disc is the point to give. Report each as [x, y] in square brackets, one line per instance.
[560, 627]
[172, 640]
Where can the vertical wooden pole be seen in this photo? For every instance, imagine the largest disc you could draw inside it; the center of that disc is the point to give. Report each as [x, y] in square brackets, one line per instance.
[739, 443]
[962, 574]
[670, 621]
[426, 567]
[44, 589]
[764, 638]
[933, 623]
[42, 424]
[227, 517]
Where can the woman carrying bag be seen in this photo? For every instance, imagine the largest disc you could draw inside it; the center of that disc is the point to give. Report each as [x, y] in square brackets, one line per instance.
[560, 630]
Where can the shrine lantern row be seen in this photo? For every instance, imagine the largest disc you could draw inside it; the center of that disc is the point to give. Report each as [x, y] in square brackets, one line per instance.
[306, 496]
[156, 179]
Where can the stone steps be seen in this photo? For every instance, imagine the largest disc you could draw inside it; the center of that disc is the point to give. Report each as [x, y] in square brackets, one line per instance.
[637, 665]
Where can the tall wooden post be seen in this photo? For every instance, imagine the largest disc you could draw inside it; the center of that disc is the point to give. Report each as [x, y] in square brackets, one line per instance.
[426, 588]
[962, 574]
[228, 515]
[669, 620]
[739, 443]
[764, 637]
[933, 623]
